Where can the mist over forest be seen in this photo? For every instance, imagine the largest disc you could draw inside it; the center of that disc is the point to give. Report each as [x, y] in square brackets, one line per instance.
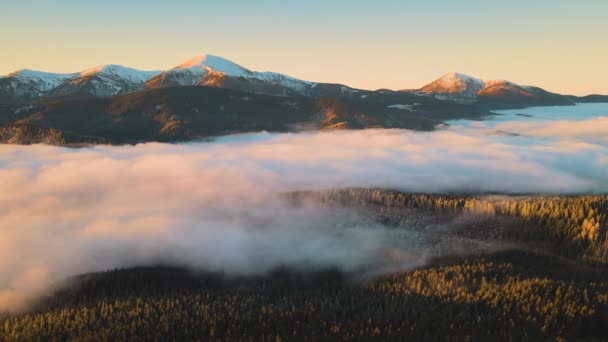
[217, 205]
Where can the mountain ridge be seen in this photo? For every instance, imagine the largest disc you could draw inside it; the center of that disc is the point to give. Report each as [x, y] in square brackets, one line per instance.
[202, 70]
[211, 70]
[208, 95]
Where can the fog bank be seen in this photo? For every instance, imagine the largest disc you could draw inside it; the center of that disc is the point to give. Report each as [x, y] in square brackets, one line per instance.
[213, 205]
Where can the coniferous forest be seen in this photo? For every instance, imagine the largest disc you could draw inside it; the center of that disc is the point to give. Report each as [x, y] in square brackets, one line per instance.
[542, 275]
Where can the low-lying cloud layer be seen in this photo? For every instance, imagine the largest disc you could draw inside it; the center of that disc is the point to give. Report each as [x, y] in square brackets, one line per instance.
[213, 205]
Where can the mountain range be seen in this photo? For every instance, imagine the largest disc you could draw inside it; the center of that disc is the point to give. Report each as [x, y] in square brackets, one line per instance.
[204, 70]
[208, 95]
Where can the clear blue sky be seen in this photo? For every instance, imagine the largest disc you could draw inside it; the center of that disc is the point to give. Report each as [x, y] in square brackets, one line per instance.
[557, 44]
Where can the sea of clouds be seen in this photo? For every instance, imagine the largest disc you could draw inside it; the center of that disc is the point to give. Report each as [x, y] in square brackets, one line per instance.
[214, 205]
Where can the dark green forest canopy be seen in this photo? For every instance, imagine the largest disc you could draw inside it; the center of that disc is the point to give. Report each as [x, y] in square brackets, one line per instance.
[551, 283]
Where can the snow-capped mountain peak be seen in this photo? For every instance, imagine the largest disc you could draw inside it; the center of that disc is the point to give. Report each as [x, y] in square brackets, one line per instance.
[211, 70]
[212, 63]
[31, 83]
[456, 76]
[119, 71]
[202, 70]
[456, 81]
[104, 80]
[454, 84]
[496, 93]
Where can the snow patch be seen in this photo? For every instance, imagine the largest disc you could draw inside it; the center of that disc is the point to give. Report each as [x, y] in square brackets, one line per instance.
[408, 107]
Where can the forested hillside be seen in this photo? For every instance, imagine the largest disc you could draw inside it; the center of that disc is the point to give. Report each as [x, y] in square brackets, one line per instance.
[549, 283]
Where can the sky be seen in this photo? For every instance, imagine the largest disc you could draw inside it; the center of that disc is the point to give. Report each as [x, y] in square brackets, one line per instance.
[559, 45]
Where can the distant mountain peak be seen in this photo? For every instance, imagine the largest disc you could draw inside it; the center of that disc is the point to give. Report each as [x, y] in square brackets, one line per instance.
[102, 69]
[202, 59]
[463, 88]
[211, 70]
[458, 75]
[29, 74]
[455, 77]
[119, 71]
[214, 71]
[27, 83]
[455, 83]
[211, 63]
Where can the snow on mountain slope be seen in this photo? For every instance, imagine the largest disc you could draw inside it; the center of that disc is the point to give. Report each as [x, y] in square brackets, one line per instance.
[503, 88]
[211, 63]
[118, 71]
[494, 93]
[27, 83]
[201, 70]
[105, 80]
[212, 70]
[49, 78]
[285, 81]
[454, 84]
